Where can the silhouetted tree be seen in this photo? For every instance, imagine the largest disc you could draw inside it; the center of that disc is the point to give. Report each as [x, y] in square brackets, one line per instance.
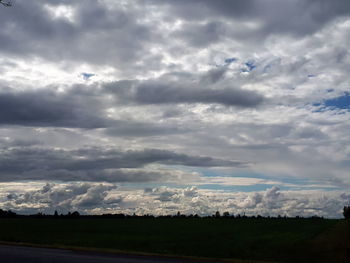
[217, 214]
[75, 214]
[7, 214]
[226, 214]
[346, 212]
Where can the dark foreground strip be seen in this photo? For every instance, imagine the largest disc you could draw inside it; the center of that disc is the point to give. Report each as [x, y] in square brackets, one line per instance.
[28, 254]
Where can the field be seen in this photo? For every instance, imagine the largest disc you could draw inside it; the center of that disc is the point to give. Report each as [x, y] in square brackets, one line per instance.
[281, 240]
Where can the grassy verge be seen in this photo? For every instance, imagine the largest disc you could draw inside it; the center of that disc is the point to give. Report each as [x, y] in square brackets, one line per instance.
[246, 239]
[332, 245]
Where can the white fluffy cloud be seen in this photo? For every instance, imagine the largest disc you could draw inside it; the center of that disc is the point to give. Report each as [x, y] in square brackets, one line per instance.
[95, 198]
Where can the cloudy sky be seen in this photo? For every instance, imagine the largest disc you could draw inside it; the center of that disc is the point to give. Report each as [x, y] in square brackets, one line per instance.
[159, 106]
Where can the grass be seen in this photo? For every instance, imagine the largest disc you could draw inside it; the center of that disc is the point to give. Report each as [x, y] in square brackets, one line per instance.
[284, 240]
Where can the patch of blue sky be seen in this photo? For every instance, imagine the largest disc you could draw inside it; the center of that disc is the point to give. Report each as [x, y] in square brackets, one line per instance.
[87, 76]
[151, 185]
[217, 181]
[240, 188]
[249, 66]
[264, 187]
[230, 60]
[216, 172]
[283, 182]
[341, 104]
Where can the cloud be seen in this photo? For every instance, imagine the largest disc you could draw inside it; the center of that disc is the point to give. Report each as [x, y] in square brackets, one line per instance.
[76, 107]
[97, 164]
[201, 35]
[158, 93]
[94, 196]
[191, 88]
[312, 14]
[143, 129]
[65, 198]
[108, 198]
[50, 108]
[31, 29]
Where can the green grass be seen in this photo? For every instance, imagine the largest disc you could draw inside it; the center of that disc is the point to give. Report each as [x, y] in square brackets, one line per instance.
[256, 239]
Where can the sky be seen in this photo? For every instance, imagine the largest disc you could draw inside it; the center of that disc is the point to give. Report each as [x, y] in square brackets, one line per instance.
[159, 106]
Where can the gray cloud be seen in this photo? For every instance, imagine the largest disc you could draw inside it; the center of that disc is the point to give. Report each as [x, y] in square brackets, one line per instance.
[95, 164]
[199, 35]
[157, 93]
[176, 89]
[49, 108]
[296, 17]
[197, 9]
[29, 29]
[143, 129]
[77, 107]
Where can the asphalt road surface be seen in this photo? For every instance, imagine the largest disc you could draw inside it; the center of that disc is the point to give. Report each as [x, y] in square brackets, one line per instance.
[14, 254]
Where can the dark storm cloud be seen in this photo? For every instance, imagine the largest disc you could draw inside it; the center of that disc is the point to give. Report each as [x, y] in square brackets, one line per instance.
[158, 93]
[214, 75]
[27, 27]
[77, 107]
[199, 35]
[108, 34]
[297, 17]
[143, 129]
[45, 108]
[202, 9]
[98, 35]
[190, 88]
[94, 164]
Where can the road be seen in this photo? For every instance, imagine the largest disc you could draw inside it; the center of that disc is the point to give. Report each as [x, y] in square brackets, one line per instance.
[14, 254]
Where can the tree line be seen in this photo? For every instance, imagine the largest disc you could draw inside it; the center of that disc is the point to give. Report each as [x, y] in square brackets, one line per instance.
[76, 214]
[225, 215]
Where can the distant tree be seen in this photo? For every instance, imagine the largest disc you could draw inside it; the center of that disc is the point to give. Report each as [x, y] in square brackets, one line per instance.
[217, 214]
[39, 215]
[7, 214]
[55, 214]
[75, 214]
[226, 214]
[346, 212]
